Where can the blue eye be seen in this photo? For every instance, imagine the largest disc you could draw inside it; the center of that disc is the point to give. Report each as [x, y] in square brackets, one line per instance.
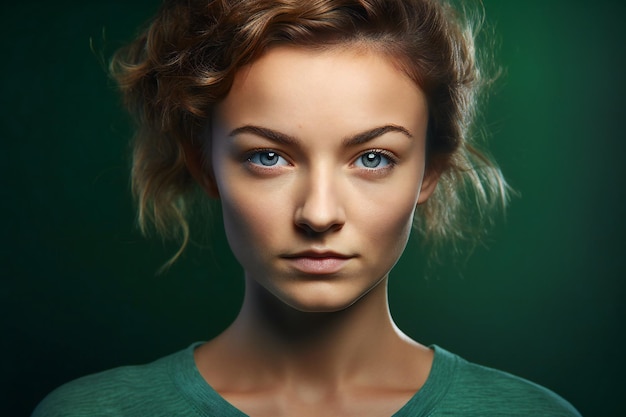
[267, 159]
[372, 160]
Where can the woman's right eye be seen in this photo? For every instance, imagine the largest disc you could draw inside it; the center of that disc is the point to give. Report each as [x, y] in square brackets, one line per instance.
[267, 159]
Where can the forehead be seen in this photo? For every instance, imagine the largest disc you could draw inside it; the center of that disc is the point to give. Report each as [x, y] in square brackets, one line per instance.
[350, 87]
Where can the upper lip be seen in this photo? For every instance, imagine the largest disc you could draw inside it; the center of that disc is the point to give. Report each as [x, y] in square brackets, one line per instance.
[311, 253]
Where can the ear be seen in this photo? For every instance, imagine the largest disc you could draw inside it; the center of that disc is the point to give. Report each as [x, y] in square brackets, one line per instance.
[194, 163]
[429, 184]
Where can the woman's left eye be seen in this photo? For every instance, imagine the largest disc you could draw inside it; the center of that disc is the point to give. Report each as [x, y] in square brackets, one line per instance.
[373, 160]
[267, 159]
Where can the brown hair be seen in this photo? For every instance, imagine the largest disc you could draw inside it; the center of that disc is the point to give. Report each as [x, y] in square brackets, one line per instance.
[173, 73]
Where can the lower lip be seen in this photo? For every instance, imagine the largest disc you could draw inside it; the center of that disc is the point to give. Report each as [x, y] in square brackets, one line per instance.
[318, 266]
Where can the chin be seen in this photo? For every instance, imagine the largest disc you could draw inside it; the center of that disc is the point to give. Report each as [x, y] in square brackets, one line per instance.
[328, 300]
[310, 296]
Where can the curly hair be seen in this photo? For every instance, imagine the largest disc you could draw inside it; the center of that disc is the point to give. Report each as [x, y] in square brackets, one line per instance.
[184, 63]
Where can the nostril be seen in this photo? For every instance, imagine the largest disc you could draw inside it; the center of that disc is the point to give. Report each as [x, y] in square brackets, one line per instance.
[315, 230]
[315, 221]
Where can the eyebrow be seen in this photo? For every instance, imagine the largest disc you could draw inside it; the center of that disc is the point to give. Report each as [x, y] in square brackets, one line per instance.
[285, 139]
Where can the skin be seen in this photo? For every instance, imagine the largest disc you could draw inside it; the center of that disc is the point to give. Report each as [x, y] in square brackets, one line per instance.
[317, 157]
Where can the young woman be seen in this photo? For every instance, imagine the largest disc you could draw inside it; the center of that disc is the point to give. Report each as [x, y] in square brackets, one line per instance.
[327, 129]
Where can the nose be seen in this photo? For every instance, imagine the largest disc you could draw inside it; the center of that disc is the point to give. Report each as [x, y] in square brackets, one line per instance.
[320, 208]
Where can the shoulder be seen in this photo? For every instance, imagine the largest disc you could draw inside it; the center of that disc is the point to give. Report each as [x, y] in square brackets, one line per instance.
[487, 391]
[118, 391]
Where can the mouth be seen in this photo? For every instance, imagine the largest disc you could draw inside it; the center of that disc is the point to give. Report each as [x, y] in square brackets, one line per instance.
[318, 262]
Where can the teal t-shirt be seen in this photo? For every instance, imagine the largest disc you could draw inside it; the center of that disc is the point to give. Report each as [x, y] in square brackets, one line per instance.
[173, 386]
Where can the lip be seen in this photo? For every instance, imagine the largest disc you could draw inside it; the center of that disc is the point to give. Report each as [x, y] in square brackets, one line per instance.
[318, 262]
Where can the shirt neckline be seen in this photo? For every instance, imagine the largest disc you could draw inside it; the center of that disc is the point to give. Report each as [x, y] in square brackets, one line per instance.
[205, 400]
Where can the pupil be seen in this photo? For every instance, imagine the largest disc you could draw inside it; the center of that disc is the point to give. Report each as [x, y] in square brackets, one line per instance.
[269, 158]
[371, 160]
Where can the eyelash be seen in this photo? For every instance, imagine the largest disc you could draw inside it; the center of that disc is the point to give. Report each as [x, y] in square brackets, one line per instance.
[391, 158]
[247, 157]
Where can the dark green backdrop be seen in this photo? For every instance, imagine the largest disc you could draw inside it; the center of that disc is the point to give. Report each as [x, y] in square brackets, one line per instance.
[544, 300]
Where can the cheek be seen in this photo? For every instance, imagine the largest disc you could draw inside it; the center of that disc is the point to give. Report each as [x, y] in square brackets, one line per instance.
[395, 223]
[388, 219]
[238, 227]
[251, 220]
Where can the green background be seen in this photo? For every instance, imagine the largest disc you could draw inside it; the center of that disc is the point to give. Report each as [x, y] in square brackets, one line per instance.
[544, 299]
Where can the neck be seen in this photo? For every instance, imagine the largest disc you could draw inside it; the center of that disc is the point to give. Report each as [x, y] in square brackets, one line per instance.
[325, 346]
[294, 357]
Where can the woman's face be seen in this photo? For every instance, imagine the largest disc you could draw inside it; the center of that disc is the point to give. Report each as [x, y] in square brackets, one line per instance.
[318, 159]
